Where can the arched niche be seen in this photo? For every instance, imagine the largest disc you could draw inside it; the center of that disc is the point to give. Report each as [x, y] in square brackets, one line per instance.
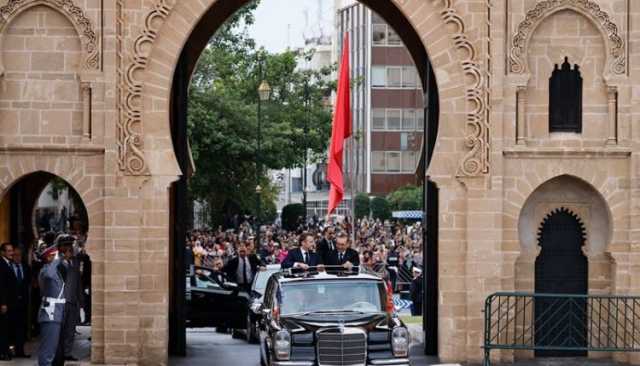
[584, 201]
[44, 65]
[588, 36]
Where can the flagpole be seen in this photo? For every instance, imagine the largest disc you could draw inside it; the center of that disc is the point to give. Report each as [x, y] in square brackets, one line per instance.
[353, 196]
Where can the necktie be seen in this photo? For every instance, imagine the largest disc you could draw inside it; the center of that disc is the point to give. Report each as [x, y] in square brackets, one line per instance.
[306, 258]
[19, 269]
[244, 271]
[340, 258]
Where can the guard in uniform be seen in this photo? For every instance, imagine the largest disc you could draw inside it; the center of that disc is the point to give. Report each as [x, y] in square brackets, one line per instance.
[52, 288]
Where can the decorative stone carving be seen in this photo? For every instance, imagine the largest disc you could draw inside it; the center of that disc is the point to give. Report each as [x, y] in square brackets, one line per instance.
[76, 16]
[616, 57]
[129, 126]
[476, 160]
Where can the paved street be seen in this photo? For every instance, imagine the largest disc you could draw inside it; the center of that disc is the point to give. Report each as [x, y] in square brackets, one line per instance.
[206, 347]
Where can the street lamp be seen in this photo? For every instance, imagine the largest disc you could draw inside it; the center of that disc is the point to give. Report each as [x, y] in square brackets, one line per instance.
[264, 93]
[307, 101]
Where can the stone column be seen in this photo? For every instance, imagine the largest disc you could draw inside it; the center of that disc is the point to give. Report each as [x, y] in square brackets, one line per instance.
[521, 116]
[85, 89]
[612, 103]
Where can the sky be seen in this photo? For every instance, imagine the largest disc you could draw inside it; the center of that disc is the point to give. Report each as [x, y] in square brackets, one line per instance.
[281, 23]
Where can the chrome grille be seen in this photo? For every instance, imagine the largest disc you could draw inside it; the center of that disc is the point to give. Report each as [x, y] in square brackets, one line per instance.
[342, 347]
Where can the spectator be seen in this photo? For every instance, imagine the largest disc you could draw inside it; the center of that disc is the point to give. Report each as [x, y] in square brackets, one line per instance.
[8, 298]
[20, 314]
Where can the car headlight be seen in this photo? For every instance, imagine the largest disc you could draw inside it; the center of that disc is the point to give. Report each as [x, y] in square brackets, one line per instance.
[282, 345]
[400, 341]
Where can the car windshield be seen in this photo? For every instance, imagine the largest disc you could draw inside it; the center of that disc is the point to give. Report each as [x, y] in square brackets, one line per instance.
[328, 296]
[262, 278]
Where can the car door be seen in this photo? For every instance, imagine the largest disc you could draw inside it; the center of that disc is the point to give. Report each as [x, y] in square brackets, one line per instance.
[215, 304]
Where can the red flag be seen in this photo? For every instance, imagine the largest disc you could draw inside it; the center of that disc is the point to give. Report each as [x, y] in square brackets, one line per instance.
[340, 131]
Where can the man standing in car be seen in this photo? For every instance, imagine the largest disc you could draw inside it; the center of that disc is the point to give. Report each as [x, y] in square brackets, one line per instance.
[326, 245]
[303, 257]
[343, 255]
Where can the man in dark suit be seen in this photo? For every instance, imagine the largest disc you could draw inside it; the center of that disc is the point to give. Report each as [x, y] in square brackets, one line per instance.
[303, 257]
[417, 293]
[343, 255]
[326, 245]
[85, 280]
[73, 298]
[243, 267]
[21, 312]
[8, 298]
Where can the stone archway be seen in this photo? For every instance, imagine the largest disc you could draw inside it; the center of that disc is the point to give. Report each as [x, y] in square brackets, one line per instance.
[581, 199]
[462, 149]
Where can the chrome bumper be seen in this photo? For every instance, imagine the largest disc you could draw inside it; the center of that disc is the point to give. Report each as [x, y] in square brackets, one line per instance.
[391, 362]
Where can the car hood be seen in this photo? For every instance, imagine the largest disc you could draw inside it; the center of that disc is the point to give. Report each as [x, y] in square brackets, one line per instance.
[314, 321]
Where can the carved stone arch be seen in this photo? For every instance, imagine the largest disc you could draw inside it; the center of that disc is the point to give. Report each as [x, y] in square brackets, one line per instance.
[616, 63]
[562, 209]
[75, 15]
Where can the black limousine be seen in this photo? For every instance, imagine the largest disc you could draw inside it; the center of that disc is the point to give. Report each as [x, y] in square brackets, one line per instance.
[330, 317]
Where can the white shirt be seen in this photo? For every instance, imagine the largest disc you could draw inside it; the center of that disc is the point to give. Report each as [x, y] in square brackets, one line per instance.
[304, 252]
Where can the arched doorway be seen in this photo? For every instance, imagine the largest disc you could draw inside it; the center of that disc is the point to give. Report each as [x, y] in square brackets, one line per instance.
[561, 268]
[34, 210]
[181, 211]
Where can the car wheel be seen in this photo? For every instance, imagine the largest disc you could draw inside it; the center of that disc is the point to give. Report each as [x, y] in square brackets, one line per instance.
[252, 336]
[235, 334]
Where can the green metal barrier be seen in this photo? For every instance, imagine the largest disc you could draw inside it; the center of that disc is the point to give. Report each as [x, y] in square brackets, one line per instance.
[561, 325]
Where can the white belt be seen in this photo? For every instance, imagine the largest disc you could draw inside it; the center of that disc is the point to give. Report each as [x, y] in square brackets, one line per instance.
[53, 300]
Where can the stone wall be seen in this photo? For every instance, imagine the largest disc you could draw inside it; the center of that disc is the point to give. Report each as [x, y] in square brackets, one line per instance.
[85, 94]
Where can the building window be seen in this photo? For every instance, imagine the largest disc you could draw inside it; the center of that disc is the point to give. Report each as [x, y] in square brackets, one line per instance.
[409, 77]
[379, 35]
[378, 76]
[393, 161]
[408, 161]
[377, 161]
[394, 77]
[400, 162]
[393, 39]
[419, 119]
[296, 185]
[379, 118]
[565, 99]
[393, 119]
[409, 119]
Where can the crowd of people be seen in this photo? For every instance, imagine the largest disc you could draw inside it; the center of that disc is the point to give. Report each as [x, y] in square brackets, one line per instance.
[45, 291]
[391, 247]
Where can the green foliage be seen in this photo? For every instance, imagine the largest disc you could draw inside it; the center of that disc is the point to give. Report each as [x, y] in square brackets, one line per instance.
[223, 117]
[406, 198]
[380, 208]
[362, 204]
[290, 215]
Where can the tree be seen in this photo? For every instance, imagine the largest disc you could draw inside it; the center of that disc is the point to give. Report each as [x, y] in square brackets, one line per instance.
[406, 198]
[291, 215]
[380, 208]
[361, 205]
[222, 119]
